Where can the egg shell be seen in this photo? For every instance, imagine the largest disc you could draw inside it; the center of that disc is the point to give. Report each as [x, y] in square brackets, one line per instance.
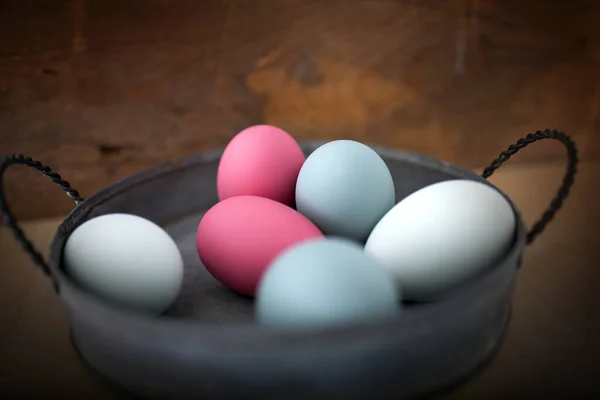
[127, 260]
[345, 187]
[261, 160]
[443, 235]
[240, 236]
[325, 282]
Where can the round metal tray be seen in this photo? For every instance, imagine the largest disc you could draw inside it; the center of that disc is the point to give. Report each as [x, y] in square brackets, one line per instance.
[207, 345]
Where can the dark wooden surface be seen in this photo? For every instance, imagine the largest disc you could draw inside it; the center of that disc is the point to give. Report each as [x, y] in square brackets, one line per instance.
[551, 351]
[102, 88]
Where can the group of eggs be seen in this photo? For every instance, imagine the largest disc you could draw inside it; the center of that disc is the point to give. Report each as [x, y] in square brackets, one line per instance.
[316, 240]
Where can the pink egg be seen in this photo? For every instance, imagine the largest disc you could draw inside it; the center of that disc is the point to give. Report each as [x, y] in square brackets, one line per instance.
[263, 161]
[239, 237]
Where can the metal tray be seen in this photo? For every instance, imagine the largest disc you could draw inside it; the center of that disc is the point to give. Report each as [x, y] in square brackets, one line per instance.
[207, 345]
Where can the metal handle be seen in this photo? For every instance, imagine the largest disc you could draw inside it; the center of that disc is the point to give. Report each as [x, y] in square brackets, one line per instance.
[568, 180]
[8, 217]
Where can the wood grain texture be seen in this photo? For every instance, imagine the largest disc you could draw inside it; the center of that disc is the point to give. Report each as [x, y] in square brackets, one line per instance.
[101, 89]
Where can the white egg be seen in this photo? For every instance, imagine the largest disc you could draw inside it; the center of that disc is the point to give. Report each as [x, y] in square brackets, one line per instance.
[443, 235]
[127, 260]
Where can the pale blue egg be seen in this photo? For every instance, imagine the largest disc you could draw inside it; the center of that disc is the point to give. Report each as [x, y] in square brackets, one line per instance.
[324, 282]
[345, 188]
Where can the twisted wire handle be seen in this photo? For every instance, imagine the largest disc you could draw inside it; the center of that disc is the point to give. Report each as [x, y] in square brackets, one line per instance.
[568, 180]
[8, 217]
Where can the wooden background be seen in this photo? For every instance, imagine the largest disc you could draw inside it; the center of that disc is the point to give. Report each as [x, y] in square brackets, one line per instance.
[99, 89]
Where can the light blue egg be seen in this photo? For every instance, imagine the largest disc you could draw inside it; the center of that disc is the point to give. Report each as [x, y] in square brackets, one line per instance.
[324, 282]
[345, 188]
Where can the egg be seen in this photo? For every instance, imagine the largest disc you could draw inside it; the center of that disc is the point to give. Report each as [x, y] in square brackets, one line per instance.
[345, 187]
[325, 282]
[239, 237]
[126, 260]
[261, 160]
[443, 235]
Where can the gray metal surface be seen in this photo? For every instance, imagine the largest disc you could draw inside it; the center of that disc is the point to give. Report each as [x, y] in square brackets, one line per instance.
[207, 345]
